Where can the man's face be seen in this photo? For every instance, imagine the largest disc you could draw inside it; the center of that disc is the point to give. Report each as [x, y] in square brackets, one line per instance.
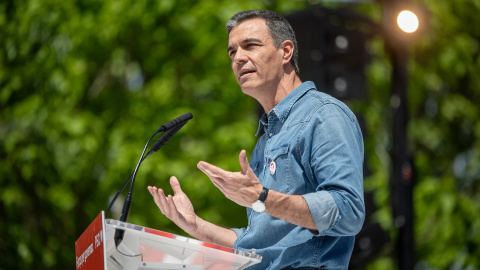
[256, 63]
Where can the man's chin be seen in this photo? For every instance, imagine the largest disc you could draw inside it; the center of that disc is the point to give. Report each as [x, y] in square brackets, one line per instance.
[248, 85]
[247, 89]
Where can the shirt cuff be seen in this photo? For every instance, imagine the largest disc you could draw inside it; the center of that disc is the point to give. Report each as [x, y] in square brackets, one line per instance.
[238, 231]
[323, 209]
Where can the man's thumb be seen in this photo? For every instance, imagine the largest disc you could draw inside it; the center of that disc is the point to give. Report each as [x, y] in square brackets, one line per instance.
[175, 185]
[244, 162]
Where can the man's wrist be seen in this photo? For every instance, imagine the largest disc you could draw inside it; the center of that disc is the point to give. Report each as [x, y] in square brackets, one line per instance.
[259, 205]
[258, 191]
[196, 229]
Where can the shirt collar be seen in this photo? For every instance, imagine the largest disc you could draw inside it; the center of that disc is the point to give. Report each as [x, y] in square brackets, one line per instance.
[282, 109]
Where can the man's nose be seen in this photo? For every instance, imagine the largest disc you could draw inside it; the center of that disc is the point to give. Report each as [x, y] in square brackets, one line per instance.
[240, 56]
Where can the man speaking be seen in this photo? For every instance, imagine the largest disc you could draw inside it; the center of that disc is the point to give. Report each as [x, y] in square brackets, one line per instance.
[303, 185]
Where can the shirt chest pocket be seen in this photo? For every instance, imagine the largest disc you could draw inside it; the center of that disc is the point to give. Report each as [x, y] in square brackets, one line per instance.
[276, 175]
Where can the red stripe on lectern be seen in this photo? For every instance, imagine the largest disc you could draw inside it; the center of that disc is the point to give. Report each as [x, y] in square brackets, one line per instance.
[231, 250]
[169, 235]
[164, 234]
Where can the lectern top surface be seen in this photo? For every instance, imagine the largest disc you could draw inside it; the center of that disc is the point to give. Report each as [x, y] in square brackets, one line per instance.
[128, 226]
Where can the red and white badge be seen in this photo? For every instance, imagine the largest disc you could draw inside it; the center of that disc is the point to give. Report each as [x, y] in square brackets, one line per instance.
[273, 167]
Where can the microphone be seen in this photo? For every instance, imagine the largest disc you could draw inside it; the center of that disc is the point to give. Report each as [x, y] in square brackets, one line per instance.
[164, 139]
[184, 118]
[170, 129]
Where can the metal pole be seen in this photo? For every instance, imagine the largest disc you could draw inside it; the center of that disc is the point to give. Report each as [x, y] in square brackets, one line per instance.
[402, 166]
[402, 171]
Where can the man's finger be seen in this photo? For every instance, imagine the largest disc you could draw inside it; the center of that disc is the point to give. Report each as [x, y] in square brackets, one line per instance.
[172, 209]
[242, 158]
[157, 197]
[163, 204]
[211, 170]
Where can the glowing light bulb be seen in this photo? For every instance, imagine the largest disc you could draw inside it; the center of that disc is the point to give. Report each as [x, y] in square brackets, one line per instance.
[407, 21]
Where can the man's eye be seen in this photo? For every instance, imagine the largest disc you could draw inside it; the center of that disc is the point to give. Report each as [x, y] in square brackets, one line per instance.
[232, 53]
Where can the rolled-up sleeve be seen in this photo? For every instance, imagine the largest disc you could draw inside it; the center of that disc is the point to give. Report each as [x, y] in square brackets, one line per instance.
[238, 231]
[323, 208]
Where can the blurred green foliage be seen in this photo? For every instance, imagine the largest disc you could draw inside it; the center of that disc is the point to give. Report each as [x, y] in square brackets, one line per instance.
[83, 84]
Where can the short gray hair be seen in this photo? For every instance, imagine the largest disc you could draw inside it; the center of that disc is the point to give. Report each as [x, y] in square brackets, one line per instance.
[279, 28]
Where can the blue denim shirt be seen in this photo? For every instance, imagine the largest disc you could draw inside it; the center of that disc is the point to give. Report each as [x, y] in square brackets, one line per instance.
[316, 147]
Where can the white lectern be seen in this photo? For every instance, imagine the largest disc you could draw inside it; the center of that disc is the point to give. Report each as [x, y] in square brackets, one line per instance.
[145, 248]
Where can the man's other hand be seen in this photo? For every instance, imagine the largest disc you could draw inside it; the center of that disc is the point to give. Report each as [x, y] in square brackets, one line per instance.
[241, 187]
[177, 208]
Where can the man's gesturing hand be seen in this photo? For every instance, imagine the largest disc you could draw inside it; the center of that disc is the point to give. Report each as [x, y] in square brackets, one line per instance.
[177, 208]
[241, 187]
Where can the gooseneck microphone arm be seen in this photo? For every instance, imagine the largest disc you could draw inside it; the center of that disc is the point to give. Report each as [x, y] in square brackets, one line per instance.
[170, 129]
[128, 200]
[165, 127]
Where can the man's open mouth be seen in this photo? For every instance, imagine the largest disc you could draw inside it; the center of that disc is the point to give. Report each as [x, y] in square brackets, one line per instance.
[242, 73]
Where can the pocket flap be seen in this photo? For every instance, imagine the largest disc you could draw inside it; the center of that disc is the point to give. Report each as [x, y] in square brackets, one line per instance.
[278, 151]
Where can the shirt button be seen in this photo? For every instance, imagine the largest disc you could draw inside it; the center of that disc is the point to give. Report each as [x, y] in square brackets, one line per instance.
[271, 134]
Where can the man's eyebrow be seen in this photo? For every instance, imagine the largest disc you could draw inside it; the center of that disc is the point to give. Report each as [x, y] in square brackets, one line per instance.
[248, 40]
[251, 40]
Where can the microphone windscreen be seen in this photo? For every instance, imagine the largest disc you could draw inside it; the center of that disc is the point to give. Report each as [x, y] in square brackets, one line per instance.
[182, 118]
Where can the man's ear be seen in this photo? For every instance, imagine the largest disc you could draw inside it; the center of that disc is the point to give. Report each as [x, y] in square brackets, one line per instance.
[287, 48]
